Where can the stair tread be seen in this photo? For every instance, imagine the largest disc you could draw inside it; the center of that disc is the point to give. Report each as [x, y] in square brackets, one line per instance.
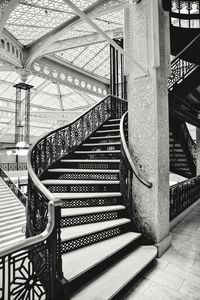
[114, 120]
[107, 131]
[89, 182]
[95, 152]
[62, 170]
[121, 273]
[105, 137]
[101, 144]
[67, 212]
[91, 160]
[77, 262]
[86, 195]
[73, 232]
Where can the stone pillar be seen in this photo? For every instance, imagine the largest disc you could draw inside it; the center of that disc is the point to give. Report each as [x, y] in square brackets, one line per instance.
[198, 149]
[147, 41]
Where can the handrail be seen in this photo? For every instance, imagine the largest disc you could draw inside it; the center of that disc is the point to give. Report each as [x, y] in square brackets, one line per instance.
[128, 157]
[18, 193]
[185, 49]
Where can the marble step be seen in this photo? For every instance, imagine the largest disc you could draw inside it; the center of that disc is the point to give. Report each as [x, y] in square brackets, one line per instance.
[11, 210]
[101, 144]
[88, 215]
[83, 174]
[79, 231]
[12, 222]
[71, 212]
[98, 151]
[106, 137]
[11, 238]
[100, 131]
[63, 170]
[114, 120]
[110, 126]
[110, 283]
[72, 196]
[78, 182]
[77, 263]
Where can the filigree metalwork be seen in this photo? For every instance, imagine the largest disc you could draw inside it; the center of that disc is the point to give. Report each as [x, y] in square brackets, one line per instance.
[183, 195]
[28, 274]
[180, 69]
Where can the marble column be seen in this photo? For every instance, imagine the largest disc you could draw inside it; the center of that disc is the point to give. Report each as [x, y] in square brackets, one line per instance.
[147, 41]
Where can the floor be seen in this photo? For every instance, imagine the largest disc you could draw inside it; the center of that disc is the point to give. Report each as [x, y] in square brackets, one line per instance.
[176, 275]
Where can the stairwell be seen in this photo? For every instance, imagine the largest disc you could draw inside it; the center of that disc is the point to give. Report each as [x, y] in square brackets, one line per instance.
[12, 217]
[102, 250]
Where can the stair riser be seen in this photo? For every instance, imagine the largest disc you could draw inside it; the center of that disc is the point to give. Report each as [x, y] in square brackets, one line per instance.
[91, 202]
[83, 188]
[104, 140]
[86, 176]
[100, 148]
[97, 155]
[92, 218]
[90, 165]
[70, 245]
[107, 132]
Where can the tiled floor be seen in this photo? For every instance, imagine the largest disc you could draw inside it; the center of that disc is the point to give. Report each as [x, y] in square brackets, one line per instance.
[176, 275]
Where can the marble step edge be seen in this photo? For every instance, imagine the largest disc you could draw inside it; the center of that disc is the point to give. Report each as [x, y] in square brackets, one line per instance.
[101, 144]
[99, 171]
[78, 231]
[90, 160]
[102, 287]
[103, 250]
[73, 196]
[79, 182]
[97, 151]
[71, 212]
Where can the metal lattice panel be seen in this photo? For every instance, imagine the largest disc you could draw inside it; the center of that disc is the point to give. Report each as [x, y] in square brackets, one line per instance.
[73, 221]
[89, 202]
[84, 188]
[89, 176]
[87, 240]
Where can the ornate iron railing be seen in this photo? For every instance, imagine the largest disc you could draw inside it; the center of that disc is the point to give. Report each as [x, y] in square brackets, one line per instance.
[28, 268]
[13, 187]
[128, 168]
[190, 142]
[183, 195]
[180, 69]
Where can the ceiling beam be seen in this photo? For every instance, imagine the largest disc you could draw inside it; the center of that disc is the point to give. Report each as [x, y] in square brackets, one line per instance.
[87, 19]
[85, 40]
[38, 48]
[57, 70]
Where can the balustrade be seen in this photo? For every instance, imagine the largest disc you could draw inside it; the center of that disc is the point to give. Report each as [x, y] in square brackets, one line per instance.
[183, 195]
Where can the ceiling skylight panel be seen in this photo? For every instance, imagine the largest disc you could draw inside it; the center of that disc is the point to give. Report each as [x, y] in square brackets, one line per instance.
[83, 4]
[90, 52]
[104, 69]
[70, 54]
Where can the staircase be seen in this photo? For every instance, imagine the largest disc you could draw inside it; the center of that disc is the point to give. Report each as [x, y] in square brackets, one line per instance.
[12, 217]
[102, 252]
[182, 150]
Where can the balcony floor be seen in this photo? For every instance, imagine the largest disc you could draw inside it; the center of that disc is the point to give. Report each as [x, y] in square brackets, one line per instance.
[176, 275]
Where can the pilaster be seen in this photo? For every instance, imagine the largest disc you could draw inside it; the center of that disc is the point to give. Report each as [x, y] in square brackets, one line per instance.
[147, 41]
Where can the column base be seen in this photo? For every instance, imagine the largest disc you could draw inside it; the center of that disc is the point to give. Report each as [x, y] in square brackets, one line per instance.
[163, 245]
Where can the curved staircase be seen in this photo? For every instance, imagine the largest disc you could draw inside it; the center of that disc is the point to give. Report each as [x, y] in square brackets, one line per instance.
[97, 248]
[97, 236]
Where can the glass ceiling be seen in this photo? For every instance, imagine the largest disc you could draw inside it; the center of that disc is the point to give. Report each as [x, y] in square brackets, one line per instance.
[32, 21]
